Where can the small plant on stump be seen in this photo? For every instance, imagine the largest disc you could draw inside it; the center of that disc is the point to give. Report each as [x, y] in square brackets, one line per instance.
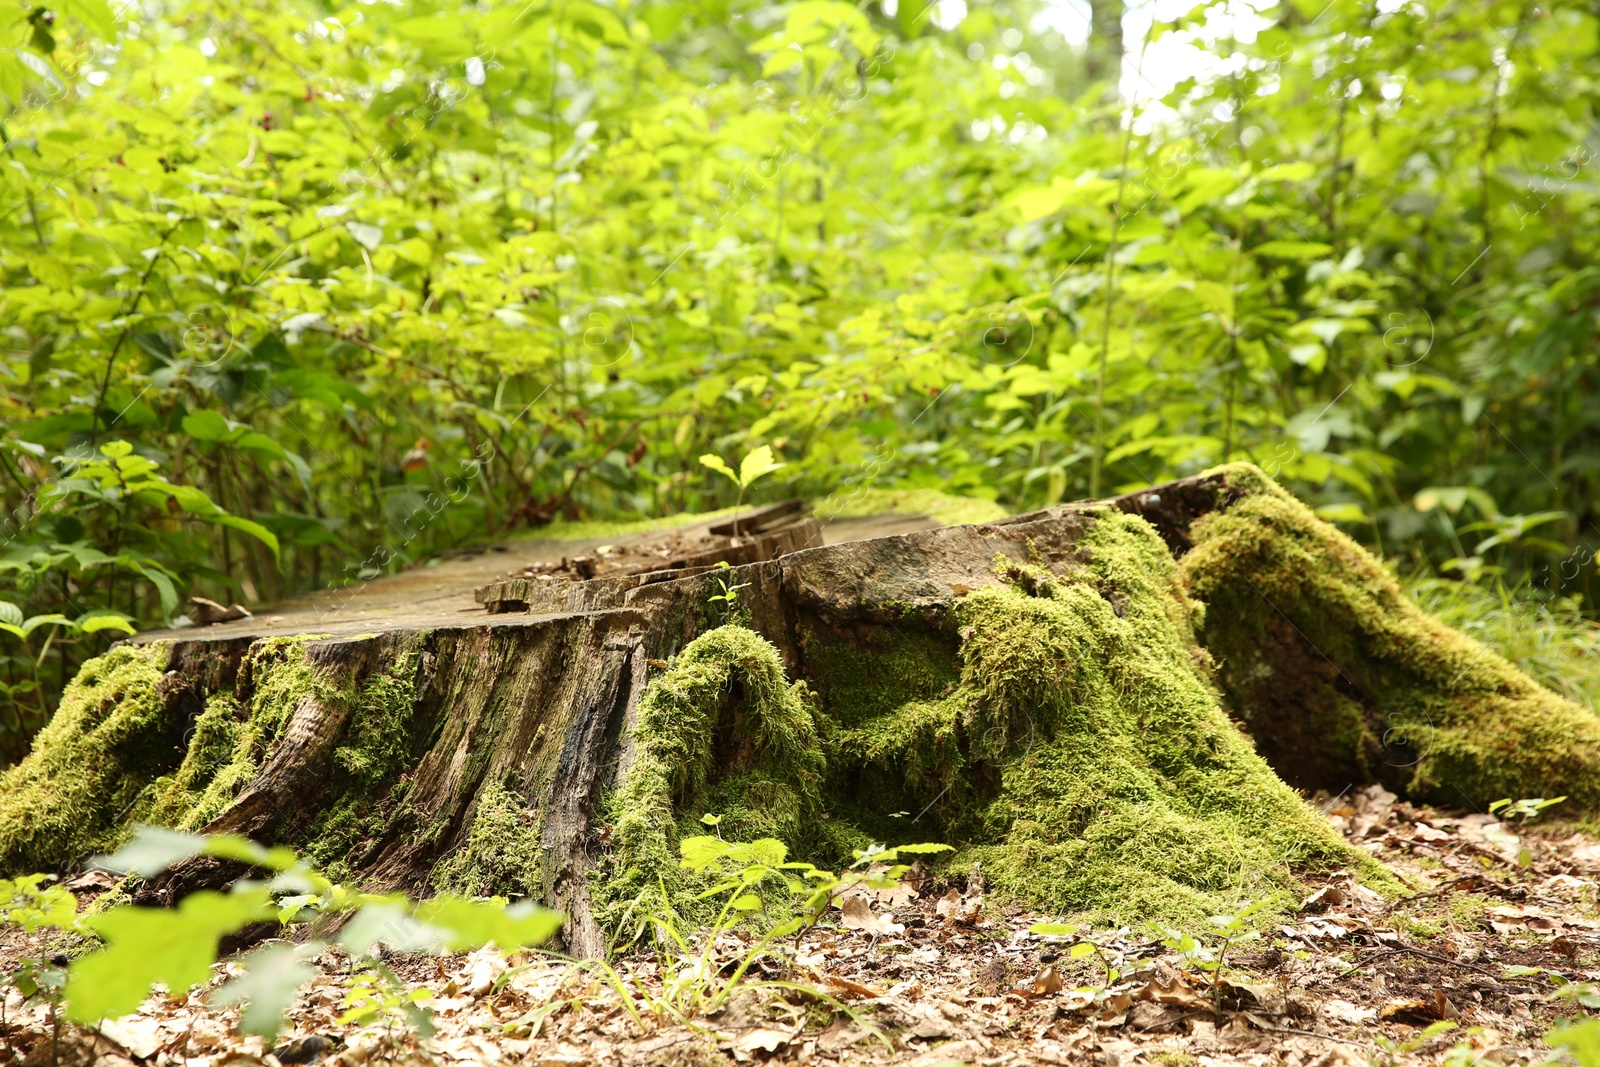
[756, 464]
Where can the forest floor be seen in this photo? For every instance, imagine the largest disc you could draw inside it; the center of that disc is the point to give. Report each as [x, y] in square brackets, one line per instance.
[1497, 946]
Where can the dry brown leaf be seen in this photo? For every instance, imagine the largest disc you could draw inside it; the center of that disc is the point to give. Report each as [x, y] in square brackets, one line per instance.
[846, 985]
[1327, 897]
[1171, 989]
[955, 908]
[142, 1037]
[956, 1052]
[1047, 983]
[1413, 1011]
[1343, 1011]
[483, 967]
[764, 1038]
[857, 915]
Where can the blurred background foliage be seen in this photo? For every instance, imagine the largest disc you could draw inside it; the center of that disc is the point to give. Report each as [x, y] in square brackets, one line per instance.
[297, 292]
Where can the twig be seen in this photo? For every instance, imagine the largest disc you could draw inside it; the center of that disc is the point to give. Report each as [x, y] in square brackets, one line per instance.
[1437, 890]
[111, 360]
[1312, 1033]
[1407, 949]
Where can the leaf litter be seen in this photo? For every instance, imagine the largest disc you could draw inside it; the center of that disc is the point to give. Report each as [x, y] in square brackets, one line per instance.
[1497, 943]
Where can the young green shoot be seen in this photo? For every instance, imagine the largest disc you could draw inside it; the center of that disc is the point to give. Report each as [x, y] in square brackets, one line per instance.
[758, 463]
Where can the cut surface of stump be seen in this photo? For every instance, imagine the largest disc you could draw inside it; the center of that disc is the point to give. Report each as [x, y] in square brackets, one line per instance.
[1058, 695]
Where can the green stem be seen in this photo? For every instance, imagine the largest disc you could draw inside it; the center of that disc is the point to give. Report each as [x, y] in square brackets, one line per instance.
[1097, 457]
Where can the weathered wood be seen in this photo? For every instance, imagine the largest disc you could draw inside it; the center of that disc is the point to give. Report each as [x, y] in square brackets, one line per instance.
[475, 679]
[541, 698]
[547, 698]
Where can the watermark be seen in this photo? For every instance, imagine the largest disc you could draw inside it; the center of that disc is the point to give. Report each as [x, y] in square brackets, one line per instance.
[410, 525]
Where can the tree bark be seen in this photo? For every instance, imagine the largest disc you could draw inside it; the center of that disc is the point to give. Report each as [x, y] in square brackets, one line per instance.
[415, 703]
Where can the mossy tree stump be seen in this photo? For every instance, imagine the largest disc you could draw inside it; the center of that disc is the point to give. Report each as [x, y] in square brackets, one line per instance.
[1058, 695]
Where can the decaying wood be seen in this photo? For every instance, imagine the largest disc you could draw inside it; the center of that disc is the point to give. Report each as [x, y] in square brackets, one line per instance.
[524, 667]
[546, 696]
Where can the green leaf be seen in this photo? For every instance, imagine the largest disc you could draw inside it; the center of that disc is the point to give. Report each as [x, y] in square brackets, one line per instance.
[254, 529]
[368, 237]
[36, 621]
[96, 14]
[1343, 513]
[1292, 249]
[206, 425]
[781, 61]
[95, 622]
[267, 989]
[758, 463]
[146, 946]
[1582, 1040]
[1053, 929]
[922, 849]
[151, 850]
[716, 463]
[391, 924]
[468, 924]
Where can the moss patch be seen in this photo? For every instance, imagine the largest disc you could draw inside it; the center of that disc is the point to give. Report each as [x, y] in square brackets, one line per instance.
[723, 731]
[230, 741]
[1341, 678]
[502, 854]
[945, 508]
[1062, 733]
[114, 756]
[109, 739]
[1117, 788]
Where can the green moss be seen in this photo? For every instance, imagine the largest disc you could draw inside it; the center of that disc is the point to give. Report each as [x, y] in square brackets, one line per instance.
[724, 732]
[379, 734]
[367, 799]
[111, 757]
[1341, 678]
[944, 508]
[108, 740]
[1124, 791]
[1547, 637]
[1060, 730]
[502, 854]
[212, 753]
[229, 741]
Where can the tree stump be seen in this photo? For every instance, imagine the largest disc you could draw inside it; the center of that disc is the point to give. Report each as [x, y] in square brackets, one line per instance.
[1059, 695]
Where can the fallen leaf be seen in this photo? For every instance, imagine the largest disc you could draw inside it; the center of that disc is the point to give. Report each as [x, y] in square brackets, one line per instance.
[857, 915]
[483, 967]
[139, 1036]
[954, 908]
[956, 1052]
[1047, 983]
[1559, 881]
[846, 985]
[764, 1038]
[1171, 989]
[1411, 1010]
[1343, 1011]
[1323, 899]
[96, 879]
